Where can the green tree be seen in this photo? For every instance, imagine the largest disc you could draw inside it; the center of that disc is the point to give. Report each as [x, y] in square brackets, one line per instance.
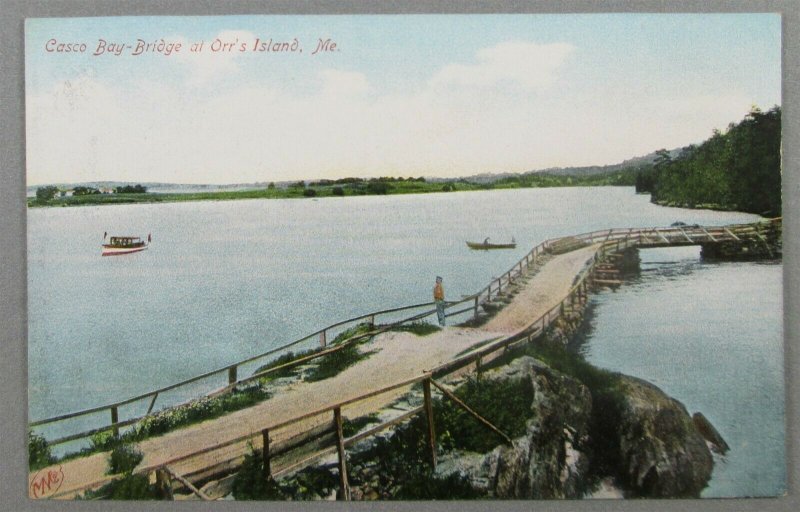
[44, 194]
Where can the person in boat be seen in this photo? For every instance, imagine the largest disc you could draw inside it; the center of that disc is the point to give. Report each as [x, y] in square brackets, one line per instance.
[486, 241]
[438, 298]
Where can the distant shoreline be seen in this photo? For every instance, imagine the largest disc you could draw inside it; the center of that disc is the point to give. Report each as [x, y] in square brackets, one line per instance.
[315, 190]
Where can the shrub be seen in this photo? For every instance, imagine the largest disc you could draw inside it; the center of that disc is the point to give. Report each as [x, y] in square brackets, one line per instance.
[337, 191]
[39, 455]
[289, 371]
[352, 427]
[502, 403]
[123, 459]
[309, 192]
[44, 194]
[334, 363]
[249, 482]
[129, 487]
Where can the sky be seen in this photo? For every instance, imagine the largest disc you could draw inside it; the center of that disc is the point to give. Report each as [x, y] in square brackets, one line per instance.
[399, 95]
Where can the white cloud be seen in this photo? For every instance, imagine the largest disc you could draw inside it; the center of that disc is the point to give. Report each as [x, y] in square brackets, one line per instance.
[85, 131]
[529, 65]
[343, 83]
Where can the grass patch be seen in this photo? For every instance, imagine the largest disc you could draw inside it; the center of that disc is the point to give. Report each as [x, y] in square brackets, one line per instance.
[170, 419]
[334, 363]
[289, 371]
[354, 426]
[129, 487]
[39, 455]
[418, 328]
[608, 402]
[352, 332]
[502, 402]
[123, 459]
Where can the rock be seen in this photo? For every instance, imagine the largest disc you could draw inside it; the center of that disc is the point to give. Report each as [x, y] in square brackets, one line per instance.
[709, 433]
[543, 463]
[654, 442]
[661, 452]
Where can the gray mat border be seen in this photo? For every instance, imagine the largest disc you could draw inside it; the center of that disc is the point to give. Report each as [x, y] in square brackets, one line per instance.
[13, 326]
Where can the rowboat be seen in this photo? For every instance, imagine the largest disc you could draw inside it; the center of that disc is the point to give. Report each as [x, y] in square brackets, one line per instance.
[119, 245]
[485, 245]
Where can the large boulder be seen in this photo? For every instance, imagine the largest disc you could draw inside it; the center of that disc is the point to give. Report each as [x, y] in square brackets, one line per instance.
[662, 454]
[543, 463]
[653, 447]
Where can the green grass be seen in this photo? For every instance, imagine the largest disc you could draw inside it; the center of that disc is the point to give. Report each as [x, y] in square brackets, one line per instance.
[349, 187]
[418, 328]
[123, 459]
[177, 417]
[334, 363]
[505, 404]
[39, 455]
[354, 426]
[289, 371]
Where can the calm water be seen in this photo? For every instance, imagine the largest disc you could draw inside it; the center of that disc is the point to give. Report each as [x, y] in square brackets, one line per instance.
[225, 280]
[709, 335]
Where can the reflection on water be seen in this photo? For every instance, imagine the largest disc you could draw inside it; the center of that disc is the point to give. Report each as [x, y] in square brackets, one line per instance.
[709, 335]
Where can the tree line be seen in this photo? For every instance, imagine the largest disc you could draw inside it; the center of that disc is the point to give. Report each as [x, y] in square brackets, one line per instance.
[739, 169]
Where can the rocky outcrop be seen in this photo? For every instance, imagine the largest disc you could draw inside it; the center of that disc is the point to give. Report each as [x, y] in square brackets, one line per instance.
[656, 452]
[661, 452]
[546, 462]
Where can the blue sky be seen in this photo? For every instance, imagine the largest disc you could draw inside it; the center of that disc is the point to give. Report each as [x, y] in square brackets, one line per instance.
[406, 95]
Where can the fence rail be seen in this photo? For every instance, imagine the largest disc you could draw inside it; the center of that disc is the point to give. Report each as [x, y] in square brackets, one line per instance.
[617, 238]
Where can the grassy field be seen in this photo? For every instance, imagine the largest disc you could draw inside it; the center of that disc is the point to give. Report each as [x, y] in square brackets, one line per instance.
[344, 188]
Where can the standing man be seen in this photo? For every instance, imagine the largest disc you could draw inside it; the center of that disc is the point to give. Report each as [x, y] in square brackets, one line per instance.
[438, 298]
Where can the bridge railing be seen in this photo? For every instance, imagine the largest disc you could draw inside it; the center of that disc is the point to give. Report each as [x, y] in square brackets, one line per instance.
[315, 345]
[226, 378]
[264, 436]
[611, 241]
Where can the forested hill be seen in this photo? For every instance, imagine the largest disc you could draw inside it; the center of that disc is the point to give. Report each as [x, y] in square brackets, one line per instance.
[736, 170]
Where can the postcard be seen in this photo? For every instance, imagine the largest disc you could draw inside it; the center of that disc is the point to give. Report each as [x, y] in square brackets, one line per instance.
[405, 257]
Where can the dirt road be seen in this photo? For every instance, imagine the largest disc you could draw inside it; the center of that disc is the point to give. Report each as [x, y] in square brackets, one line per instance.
[398, 356]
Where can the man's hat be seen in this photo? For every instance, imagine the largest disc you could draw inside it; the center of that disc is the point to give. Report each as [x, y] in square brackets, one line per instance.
[438, 278]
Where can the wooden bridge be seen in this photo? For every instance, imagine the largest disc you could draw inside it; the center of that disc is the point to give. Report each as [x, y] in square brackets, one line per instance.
[318, 433]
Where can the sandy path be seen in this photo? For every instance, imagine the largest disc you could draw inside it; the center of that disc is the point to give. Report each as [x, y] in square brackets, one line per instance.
[399, 356]
[546, 289]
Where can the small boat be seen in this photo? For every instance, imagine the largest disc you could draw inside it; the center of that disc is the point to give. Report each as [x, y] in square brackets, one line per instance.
[486, 245]
[119, 245]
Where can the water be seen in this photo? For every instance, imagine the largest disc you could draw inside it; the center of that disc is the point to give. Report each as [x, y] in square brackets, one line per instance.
[709, 335]
[226, 280]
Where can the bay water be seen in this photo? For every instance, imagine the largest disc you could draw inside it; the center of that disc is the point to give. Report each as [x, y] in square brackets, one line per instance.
[224, 280]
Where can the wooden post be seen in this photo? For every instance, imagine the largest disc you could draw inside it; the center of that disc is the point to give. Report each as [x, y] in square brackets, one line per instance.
[478, 365]
[344, 486]
[323, 340]
[372, 320]
[164, 484]
[115, 420]
[476, 306]
[232, 377]
[265, 455]
[499, 285]
[426, 388]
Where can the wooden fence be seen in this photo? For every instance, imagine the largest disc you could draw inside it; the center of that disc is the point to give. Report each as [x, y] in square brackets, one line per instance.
[612, 240]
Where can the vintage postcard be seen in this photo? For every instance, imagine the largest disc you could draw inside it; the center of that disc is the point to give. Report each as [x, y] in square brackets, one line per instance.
[405, 257]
